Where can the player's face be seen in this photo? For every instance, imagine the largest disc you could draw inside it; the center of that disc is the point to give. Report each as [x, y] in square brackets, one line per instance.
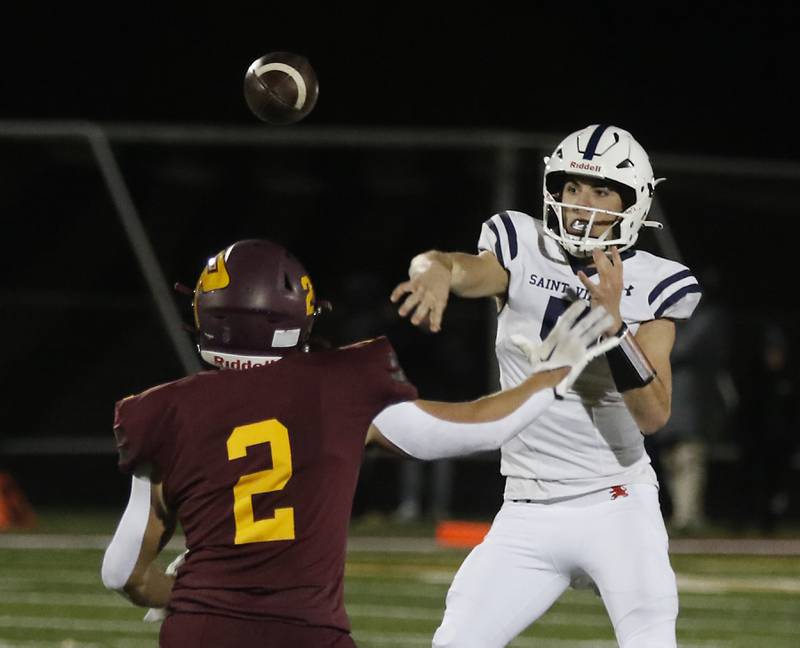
[588, 194]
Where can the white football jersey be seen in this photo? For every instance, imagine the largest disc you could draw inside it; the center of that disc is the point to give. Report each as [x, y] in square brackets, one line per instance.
[587, 441]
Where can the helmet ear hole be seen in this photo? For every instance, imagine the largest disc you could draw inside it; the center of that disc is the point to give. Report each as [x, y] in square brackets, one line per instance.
[287, 282]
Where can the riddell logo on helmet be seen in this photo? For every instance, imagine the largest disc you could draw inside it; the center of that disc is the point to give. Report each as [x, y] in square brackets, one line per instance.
[221, 362]
[585, 166]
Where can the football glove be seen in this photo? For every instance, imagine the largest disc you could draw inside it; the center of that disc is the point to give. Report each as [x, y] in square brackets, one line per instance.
[157, 615]
[574, 341]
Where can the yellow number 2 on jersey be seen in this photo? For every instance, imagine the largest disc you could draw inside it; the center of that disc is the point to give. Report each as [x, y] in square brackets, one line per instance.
[281, 526]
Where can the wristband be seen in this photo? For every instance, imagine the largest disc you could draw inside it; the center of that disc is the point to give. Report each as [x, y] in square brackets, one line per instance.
[629, 366]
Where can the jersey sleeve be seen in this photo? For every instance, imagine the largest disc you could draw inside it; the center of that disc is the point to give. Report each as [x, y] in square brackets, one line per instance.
[141, 423]
[499, 236]
[675, 294]
[382, 379]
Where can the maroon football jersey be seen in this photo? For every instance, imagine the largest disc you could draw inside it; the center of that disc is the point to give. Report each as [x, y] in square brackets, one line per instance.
[261, 466]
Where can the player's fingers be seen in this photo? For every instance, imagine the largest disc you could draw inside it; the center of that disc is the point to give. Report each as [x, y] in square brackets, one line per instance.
[586, 283]
[523, 344]
[410, 303]
[589, 322]
[437, 312]
[616, 264]
[422, 310]
[571, 315]
[603, 263]
[604, 346]
[400, 290]
[597, 328]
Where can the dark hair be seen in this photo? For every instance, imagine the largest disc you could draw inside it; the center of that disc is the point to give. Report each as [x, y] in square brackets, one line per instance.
[557, 180]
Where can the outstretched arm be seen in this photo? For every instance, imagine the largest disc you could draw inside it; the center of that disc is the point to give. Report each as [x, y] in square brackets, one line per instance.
[434, 430]
[433, 275]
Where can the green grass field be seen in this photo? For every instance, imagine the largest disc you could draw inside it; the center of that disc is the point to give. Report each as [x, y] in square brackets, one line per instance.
[395, 595]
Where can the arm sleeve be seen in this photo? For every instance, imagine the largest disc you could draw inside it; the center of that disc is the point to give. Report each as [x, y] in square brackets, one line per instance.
[424, 436]
[676, 294]
[123, 551]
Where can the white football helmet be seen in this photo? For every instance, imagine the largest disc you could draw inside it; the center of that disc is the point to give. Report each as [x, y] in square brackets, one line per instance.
[609, 153]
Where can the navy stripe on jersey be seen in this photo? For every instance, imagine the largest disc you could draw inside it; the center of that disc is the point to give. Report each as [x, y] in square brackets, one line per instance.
[672, 299]
[512, 234]
[498, 252]
[661, 286]
[594, 140]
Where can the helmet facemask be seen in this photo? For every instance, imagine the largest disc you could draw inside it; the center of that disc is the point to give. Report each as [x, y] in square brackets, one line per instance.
[622, 230]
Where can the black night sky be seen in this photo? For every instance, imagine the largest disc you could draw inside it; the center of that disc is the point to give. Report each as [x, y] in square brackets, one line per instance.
[716, 78]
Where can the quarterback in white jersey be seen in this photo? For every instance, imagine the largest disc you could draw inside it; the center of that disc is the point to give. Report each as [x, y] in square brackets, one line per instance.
[581, 502]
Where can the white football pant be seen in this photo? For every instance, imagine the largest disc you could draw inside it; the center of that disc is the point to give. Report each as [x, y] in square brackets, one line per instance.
[534, 551]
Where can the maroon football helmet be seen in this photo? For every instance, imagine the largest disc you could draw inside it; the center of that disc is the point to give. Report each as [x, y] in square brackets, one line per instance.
[253, 303]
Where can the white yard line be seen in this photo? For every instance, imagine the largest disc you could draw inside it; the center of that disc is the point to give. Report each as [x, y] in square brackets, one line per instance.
[79, 625]
[705, 546]
[743, 603]
[416, 640]
[703, 600]
[743, 625]
[25, 575]
[66, 643]
[720, 584]
[109, 600]
[56, 541]
[23, 594]
[687, 583]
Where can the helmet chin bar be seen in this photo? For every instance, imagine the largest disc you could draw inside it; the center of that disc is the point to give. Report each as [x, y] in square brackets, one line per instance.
[582, 245]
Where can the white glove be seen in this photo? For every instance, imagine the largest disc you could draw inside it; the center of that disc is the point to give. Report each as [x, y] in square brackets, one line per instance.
[571, 343]
[157, 615]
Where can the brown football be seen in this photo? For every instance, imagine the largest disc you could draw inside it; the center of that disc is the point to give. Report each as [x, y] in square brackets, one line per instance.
[281, 88]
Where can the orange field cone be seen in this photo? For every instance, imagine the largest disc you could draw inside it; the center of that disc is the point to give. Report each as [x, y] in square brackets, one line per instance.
[457, 533]
[15, 510]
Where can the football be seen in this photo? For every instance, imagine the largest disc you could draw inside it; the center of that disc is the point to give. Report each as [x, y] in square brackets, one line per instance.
[281, 88]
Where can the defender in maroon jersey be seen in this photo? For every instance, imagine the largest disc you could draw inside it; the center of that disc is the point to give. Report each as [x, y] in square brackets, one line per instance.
[260, 465]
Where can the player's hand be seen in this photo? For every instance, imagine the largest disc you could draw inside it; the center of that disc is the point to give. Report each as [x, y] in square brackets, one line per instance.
[157, 615]
[573, 342]
[427, 291]
[608, 292]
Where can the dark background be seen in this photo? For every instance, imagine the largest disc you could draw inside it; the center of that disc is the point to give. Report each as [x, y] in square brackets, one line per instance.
[710, 79]
[703, 77]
